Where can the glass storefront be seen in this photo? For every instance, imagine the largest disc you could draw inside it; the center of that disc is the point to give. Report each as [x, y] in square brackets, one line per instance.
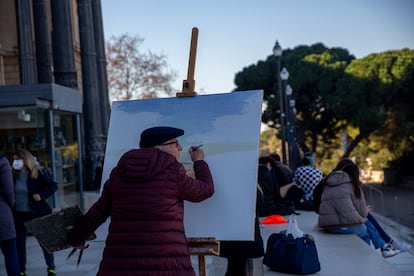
[53, 137]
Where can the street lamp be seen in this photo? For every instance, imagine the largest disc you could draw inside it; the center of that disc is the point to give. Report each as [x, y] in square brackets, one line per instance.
[294, 149]
[277, 51]
[289, 90]
[288, 113]
[284, 75]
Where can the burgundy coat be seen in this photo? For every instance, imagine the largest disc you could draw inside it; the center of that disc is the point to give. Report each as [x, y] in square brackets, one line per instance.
[144, 198]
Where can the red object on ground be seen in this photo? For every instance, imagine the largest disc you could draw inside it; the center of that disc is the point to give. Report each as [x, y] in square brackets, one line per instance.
[274, 219]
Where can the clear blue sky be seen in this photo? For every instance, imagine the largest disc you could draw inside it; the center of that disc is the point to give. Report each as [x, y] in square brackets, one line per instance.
[234, 34]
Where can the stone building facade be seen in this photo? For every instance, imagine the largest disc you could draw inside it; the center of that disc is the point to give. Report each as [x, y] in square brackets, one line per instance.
[53, 89]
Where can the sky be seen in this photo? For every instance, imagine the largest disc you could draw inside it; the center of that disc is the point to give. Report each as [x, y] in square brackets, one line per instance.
[234, 34]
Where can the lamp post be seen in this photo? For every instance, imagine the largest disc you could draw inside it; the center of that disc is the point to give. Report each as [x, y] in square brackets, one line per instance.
[288, 94]
[295, 152]
[277, 51]
[284, 75]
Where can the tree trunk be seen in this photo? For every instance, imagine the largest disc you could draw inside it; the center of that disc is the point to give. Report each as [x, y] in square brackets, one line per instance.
[352, 145]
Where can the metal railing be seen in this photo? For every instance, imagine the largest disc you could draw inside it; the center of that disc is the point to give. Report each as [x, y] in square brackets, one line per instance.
[375, 200]
[396, 208]
[403, 211]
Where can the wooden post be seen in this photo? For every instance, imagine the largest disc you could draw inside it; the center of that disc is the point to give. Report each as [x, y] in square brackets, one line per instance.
[198, 246]
[201, 247]
[189, 83]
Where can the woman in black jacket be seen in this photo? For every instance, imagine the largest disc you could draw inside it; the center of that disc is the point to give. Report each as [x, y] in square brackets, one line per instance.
[32, 187]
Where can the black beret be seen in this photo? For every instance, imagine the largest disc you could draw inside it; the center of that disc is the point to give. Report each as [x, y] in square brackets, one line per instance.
[155, 136]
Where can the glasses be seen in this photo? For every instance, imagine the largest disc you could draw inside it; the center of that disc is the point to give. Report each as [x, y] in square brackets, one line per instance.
[170, 143]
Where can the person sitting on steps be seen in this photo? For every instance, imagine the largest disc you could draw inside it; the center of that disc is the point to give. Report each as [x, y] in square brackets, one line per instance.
[400, 245]
[276, 199]
[343, 209]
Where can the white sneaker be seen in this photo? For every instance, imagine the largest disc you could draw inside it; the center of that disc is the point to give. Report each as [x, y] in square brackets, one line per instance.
[400, 245]
[388, 251]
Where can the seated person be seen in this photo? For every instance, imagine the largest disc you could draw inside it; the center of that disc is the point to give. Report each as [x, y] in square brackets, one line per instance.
[276, 200]
[343, 209]
[402, 246]
[307, 177]
[283, 173]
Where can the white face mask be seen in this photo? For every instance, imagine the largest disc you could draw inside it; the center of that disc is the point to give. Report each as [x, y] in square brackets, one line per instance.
[18, 164]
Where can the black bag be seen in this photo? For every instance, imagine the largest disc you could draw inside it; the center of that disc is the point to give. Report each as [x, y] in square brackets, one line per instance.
[292, 255]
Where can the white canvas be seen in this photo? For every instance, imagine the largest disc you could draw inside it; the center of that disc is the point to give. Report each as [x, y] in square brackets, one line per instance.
[228, 127]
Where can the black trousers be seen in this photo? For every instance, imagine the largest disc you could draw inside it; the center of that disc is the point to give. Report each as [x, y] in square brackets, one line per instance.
[236, 267]
[19, 219]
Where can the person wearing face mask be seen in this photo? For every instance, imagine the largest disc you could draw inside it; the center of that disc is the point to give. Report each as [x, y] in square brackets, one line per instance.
[144, 197]
[32, 186]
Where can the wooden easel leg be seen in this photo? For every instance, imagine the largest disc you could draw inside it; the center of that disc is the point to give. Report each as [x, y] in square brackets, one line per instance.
[202, 270]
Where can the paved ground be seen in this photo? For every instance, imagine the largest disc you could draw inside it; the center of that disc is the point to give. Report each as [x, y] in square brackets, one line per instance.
[394, 203]
[340, 255]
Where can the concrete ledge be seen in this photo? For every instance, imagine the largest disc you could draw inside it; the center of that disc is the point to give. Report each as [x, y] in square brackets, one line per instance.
[338, 254]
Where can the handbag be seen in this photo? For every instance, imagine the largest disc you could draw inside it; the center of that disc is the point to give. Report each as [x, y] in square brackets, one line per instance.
[287, 254]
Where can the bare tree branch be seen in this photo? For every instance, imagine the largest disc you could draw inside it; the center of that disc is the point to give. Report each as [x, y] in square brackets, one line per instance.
[135, 75]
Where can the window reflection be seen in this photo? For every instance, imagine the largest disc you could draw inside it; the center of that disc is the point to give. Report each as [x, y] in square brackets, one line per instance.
[43, 132]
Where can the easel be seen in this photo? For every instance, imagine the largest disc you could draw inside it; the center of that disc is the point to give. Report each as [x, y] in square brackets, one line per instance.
[189, 83]
[201, 247]
[198, 246]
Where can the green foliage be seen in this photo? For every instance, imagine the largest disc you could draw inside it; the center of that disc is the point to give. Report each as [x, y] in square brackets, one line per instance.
[372, 98]
[314, 71]
[379, 89]
[269, 143]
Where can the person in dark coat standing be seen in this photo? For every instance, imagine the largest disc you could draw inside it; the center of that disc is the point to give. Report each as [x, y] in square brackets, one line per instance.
[238, 253]
[7, 229]
[144, 196]
[32, 186]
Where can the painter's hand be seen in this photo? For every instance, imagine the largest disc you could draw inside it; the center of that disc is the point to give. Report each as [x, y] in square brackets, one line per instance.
[36, 197]
[196, 153]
